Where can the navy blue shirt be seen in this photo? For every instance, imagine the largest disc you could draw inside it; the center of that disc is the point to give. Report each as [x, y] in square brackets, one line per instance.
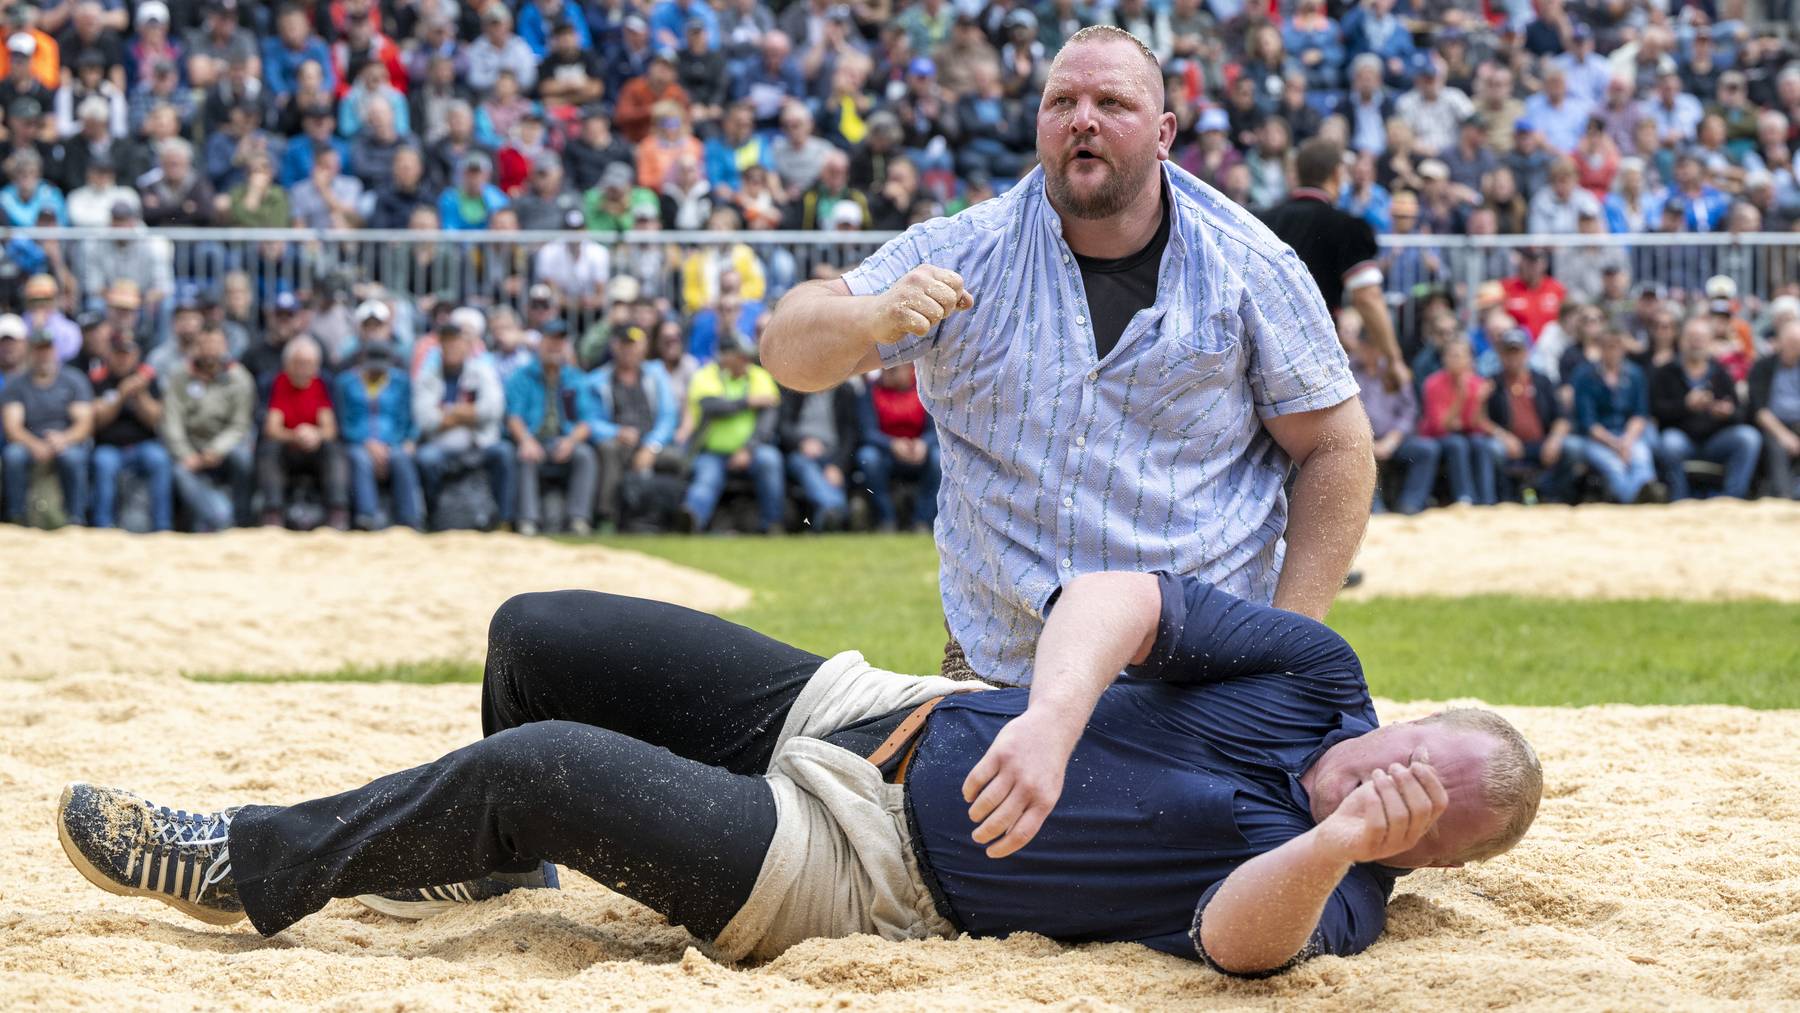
[1189, 767]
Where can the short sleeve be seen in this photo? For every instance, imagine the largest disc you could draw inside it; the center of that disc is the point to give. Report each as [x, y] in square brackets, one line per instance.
[888, 265]
[1359, 249]
[79, 387]
[1296, 362]
[1354, 916]
[1205, 634]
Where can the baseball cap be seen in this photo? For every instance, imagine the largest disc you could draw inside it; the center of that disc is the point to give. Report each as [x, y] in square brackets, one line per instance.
[39, 338]
[663, 53]
[1022, 18]
[317, 111]
[1667, 67]
[1515, 337]
[645, 205]
[22, 43]
[541, 293]
[152, 10]
[12, 326]
[699, 24]
[1431, 168]
[1476, 120]
[1215, 119]
[468, 318]
[729, 344]
[474, 161]
[631, 334]
[373, 309]
[635, 23]
[574, 219]
[622, 288]
[844, 213]
[555, 327]
[287, 302]
[1423, 66]
[1521, 125]
[1721, 286]
[122, 210]
[921, 66]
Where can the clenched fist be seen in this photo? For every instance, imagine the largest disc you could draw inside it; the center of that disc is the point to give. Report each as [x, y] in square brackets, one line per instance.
[1388, 813]
[918, 302]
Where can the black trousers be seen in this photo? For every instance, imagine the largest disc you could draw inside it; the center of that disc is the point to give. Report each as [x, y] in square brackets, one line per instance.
[625, 739]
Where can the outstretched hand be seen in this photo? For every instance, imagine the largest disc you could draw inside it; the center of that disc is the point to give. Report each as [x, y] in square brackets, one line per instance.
[1017, 782]
[1388, 813]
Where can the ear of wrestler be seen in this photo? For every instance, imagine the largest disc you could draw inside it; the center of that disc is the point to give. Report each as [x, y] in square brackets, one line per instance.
[921, 300]
[1387, 814]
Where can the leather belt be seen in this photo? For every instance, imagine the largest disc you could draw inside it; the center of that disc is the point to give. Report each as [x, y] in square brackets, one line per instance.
[904, 741]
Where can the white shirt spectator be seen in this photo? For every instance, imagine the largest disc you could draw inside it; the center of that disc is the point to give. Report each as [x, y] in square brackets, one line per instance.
[1678, 121]
[576, 273]
[487, 60]
[1550, 213]
[1434, 121]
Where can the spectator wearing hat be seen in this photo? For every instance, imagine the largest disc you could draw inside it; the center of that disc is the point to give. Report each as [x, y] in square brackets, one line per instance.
[731, 414]
[47, 413]
[12, 346]
[459, 406]
[1706, 206]
[473, 199]
[640, 110]
[572, 75]
[293, 44]
[1532, 297]
[549, 413]
[593, 149]
[701, 69]
[1694, 402]
[126, 311]
[545, 202]
[32, 68]
[27, 197]
[318, 131]
[1774, 405]
[636, 412]
[1612, 415]
[43, 313]
[374, 407]
[1537, 449]
[627, 54]
[300, 437]
[1433, 110]
[88, 81]
[128, 411]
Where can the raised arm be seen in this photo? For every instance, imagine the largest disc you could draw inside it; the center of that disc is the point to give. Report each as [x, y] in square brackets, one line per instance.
[820, 335]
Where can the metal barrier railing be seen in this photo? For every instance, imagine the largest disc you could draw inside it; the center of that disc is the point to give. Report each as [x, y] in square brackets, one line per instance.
[498, 268]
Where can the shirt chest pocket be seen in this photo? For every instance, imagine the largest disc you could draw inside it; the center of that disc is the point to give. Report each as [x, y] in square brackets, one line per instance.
[1198, 375]
[1192, 812]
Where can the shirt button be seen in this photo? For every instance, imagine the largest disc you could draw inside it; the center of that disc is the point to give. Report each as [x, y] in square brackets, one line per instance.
[1080, 319]
[1081, 441]
[1068, 501]
[1067, 564]
[1093, 376]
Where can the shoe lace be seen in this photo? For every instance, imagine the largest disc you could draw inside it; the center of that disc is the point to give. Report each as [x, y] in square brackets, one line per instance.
[181, 829]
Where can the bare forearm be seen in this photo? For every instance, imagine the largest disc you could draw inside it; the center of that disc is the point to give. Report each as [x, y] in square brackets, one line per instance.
[1268, 907]
[1327, 515]
[1101, 623]
[817, 337]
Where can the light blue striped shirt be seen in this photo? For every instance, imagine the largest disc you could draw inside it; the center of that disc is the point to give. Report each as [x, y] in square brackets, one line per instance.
[1152, 459]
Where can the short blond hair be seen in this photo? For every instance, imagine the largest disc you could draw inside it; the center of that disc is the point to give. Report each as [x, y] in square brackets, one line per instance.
[1108, 33]
[1512, 784]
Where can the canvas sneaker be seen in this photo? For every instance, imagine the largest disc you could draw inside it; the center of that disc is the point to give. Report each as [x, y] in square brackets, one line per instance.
[127, 845]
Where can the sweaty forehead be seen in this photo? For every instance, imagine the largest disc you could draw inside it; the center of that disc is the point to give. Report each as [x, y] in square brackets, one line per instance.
[1105, 65]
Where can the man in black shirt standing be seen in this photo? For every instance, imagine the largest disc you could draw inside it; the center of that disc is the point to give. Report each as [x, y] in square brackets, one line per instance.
[1337, 247]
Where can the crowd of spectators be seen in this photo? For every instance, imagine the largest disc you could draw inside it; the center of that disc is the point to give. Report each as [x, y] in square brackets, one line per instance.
[378, 380]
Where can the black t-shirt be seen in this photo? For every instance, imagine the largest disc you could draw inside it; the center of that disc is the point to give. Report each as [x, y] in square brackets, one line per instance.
[583, 64]
[1331, 243]
[1117, 289]
[127, 429]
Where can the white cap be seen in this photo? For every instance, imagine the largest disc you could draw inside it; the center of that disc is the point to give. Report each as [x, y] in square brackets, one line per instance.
[1721, 287]
[1780, 307]
[152, 10]
[470, 320]
[23, 43]
[623, 288]
[372, 309]
[12, 326]
[846, 212]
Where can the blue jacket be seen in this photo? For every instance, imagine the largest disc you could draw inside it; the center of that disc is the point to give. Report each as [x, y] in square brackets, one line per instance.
[297, 158]
[389, 419]
[525, 397]
[450, 208]
[662, 402]
[536, 33]
[281, 65]
[1611, 407]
